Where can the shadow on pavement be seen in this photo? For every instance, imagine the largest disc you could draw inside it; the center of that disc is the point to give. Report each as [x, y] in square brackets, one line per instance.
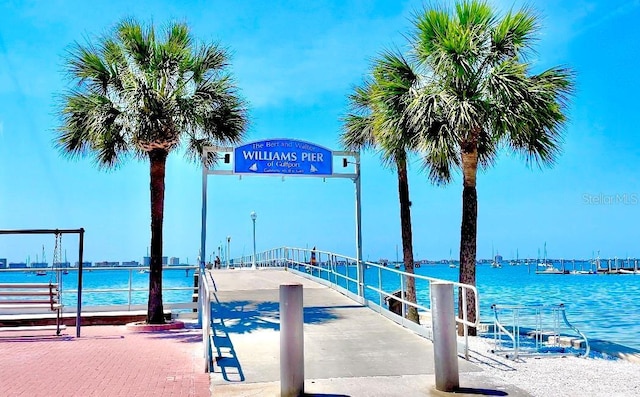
[179, 335]
[247, 316]
[225, 358]
[481, 392]
[324, 395]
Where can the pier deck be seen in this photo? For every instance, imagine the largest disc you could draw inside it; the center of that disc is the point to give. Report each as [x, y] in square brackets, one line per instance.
[349, 349]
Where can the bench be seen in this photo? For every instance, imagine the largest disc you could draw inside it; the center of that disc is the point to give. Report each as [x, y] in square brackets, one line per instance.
[23, 297]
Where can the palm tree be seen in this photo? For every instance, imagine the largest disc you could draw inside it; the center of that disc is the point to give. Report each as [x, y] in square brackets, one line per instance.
[142, 95]
[480, 93]
[378, 120]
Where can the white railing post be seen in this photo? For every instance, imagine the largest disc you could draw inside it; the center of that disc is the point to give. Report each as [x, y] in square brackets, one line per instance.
[291, 340]
[445, 350]
[130, 287]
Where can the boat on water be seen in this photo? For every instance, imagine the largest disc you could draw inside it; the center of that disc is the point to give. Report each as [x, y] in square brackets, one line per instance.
[495, 259]
[582, 272]
[451, 264]
[41, 273]
[548, 268]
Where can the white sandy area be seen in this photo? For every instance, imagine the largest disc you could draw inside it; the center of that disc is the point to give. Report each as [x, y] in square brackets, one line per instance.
[559, 376]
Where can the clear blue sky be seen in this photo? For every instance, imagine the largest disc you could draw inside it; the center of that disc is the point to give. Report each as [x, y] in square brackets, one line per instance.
[295, 62]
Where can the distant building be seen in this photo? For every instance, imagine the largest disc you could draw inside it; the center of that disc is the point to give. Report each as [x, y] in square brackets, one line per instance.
[39, 265]
[84, 264]
[130, 263]
[147, 260]
[106, 264]
[3, 263]
[498, 258]
[17, 265]
[61, 265]
[174, 261]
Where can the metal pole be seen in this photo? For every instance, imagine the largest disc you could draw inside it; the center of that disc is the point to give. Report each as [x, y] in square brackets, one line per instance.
[203, 228]
[228, 249]
[253, 218]
[291, 340]
[79, 304]
[359, 228]
[130, 287]
[445, 349]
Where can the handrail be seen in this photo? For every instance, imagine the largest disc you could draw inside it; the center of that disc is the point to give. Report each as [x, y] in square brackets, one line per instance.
[326, 265]
[127, 289]
[204, 299]
[539, 331]
[583, 336]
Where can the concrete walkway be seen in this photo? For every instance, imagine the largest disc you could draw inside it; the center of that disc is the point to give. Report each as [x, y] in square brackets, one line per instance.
[349, 349]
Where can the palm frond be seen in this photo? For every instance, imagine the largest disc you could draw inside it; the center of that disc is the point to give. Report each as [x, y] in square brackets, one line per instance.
[533, 125]
[514, 33]
[357, 133]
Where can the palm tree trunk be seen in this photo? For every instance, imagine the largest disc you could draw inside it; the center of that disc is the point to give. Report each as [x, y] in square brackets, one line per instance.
[155, 309]
[468, 232]
[407, 238]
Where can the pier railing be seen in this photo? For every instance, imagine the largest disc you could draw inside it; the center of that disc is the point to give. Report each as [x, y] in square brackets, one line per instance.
[127, 292]
[383, 287]
[206, 287]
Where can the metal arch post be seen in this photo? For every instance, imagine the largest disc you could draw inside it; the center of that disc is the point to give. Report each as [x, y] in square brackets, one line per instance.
[203, 231]
[361, 266]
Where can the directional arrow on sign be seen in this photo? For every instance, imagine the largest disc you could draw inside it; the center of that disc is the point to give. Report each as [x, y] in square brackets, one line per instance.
[254, 167]
[313, 169]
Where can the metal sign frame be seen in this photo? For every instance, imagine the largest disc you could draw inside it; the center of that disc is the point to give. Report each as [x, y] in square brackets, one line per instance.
[226, 155]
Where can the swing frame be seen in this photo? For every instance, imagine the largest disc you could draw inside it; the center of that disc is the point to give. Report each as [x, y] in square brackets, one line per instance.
[56, 233]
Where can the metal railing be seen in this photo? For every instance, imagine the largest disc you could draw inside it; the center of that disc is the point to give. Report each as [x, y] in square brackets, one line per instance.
[125, 295]
[204, 308]
[545, 334]
[381, 284]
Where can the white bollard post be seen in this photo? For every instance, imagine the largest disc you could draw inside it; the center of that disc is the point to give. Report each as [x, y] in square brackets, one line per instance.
[445, 345]
[291, 340]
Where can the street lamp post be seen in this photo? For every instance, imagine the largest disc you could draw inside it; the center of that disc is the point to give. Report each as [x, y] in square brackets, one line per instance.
[228, 249]
[253, 218]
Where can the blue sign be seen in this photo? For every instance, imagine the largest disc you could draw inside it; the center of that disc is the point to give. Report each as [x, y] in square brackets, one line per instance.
[282, 156]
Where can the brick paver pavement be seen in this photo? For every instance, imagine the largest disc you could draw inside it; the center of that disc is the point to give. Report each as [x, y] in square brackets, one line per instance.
[105, 361]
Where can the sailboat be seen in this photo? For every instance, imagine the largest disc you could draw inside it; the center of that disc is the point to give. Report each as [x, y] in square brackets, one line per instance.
[40, 265]
[64, 270]
[494, 263]
[516, 262]
[451, 264]
[547, 267]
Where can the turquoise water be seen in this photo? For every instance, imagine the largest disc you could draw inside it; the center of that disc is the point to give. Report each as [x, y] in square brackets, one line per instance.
[601, 306]
[111, 279]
